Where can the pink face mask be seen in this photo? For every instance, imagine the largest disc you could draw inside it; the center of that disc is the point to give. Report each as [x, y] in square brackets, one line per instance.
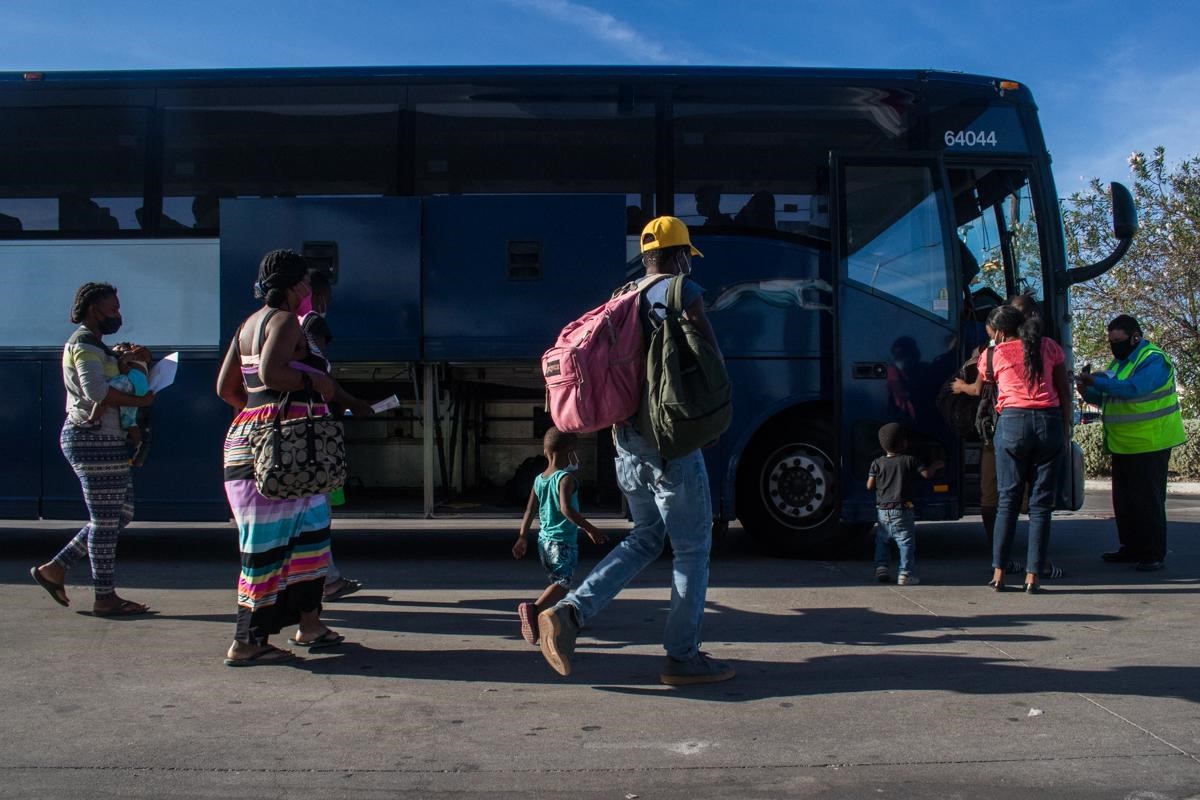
[304, 307]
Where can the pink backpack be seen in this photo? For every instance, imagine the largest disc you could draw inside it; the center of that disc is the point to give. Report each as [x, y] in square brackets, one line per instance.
[596, 369]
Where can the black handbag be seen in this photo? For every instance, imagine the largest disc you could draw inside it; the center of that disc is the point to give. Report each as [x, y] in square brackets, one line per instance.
[298, 458]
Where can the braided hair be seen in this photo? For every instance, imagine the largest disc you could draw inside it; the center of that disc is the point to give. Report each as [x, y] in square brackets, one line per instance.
[279, 271]
[1014, 324]
[86, 295]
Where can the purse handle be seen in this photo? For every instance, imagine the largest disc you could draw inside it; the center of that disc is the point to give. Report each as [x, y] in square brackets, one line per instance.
[310, 426]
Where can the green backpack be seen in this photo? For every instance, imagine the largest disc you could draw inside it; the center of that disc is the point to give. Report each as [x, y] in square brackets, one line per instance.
[688, 393]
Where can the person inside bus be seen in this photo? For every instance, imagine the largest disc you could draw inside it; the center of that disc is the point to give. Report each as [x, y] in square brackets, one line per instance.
[97, 452]
[759, 211]
[311, 315]
[206, 210]
[79, 213]
[708, 205]
[284, 544]
[1034, 402]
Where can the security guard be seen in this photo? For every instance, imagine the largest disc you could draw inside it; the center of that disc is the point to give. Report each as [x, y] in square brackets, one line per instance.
[1141, 424]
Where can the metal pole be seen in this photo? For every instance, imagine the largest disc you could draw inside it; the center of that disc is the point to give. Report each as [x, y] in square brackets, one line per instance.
[427, 420]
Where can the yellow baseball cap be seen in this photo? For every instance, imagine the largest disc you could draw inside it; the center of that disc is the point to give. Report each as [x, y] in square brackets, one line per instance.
[663, 232]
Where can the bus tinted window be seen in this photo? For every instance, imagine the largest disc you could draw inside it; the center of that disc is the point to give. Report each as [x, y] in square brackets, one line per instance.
[534, 140]
[75, 170]
[893, 235]
[748, 157]
[273, 151]
[997, 223]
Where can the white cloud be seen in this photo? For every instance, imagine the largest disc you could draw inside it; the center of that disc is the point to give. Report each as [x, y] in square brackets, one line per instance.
[605, 28]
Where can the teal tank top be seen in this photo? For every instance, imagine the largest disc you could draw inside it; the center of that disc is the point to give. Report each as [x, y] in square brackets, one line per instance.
[555, 527]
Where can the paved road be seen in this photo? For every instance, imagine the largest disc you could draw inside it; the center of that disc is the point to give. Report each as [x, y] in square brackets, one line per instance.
[846, 688]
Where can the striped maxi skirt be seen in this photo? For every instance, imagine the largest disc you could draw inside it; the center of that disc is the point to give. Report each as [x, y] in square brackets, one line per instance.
[284, 544]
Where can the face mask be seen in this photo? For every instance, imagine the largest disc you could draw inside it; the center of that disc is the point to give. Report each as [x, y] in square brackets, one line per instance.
[573, 465]
[1122, 350]
[109, 325]
[304, 306]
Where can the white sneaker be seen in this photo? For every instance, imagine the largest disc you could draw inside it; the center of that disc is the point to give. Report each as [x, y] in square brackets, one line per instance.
[908, 580]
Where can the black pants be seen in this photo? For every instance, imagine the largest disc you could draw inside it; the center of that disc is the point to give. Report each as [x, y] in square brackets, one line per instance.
[1139, 497]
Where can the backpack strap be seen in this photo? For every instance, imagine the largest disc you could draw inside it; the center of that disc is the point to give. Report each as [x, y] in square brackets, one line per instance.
[991, 373]
[675, 295]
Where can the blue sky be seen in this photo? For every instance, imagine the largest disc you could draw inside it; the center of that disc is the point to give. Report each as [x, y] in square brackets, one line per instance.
[1109, 77]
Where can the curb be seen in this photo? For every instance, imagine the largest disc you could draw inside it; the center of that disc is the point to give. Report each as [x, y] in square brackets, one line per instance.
[1190, 488]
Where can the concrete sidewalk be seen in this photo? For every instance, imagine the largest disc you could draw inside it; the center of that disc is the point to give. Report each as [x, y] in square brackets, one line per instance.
[845, 688]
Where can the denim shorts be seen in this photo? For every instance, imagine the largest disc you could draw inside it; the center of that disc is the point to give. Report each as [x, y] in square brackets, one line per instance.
[559, 559]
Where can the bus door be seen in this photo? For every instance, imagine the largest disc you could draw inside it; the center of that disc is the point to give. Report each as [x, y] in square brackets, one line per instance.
[897, 311]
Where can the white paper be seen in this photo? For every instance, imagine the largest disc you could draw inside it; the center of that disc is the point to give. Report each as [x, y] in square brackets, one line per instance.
[386, 404]
[162, 374]
[382, 405]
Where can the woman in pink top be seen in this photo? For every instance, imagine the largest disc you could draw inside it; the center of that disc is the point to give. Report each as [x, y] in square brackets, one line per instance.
[1035, 419]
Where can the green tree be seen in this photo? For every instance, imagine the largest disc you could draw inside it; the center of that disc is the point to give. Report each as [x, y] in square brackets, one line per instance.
[1158, 280]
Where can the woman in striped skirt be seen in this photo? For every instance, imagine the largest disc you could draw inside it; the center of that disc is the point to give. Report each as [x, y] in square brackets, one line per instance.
[284, 544]
[96, 450]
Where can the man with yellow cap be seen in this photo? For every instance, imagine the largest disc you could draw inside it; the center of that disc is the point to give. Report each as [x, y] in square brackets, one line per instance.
[667, 499]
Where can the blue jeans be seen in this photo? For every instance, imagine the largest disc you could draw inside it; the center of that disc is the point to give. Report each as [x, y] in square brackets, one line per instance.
[670, 499]
[899, 525]
[1028, 442]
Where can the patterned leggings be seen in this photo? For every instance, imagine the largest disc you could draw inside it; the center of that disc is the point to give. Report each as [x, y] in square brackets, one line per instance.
[102, 464]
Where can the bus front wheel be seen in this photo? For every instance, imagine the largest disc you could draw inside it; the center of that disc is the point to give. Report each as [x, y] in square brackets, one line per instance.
[788, 490]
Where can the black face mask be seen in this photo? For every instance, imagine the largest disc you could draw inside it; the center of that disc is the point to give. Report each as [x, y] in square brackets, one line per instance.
[1122, 350]
[109, 325]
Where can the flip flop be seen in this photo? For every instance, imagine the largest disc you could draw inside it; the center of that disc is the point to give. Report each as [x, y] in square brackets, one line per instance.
[55, 590]
[348, 587]
[268, 655]
[326, 639]
[128, 608]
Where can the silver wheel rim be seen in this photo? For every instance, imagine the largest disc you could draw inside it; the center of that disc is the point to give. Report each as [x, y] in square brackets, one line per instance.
[798, 486]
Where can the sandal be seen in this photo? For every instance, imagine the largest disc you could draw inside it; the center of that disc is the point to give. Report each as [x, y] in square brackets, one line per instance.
[346, 587]
[55, 590]
[127, 608]
[326, 639]
[270, 654]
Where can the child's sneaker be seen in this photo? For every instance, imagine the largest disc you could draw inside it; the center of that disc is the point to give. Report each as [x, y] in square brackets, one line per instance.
[882, 575]
[527, 613]
[906, 579]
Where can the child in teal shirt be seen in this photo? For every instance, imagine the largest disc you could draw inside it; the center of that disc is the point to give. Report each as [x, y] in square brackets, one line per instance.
[555, 495]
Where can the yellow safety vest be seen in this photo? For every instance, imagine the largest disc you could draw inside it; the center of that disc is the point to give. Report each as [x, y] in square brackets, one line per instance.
[1148, 423]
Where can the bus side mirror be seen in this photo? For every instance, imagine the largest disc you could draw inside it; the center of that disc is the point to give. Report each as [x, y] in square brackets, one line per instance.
[1125, 225]
[1125, 222]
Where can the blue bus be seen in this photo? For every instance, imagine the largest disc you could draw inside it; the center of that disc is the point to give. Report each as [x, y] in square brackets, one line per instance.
[855, 225]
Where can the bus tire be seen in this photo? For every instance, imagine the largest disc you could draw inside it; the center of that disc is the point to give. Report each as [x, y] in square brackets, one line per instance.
[787, 491]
